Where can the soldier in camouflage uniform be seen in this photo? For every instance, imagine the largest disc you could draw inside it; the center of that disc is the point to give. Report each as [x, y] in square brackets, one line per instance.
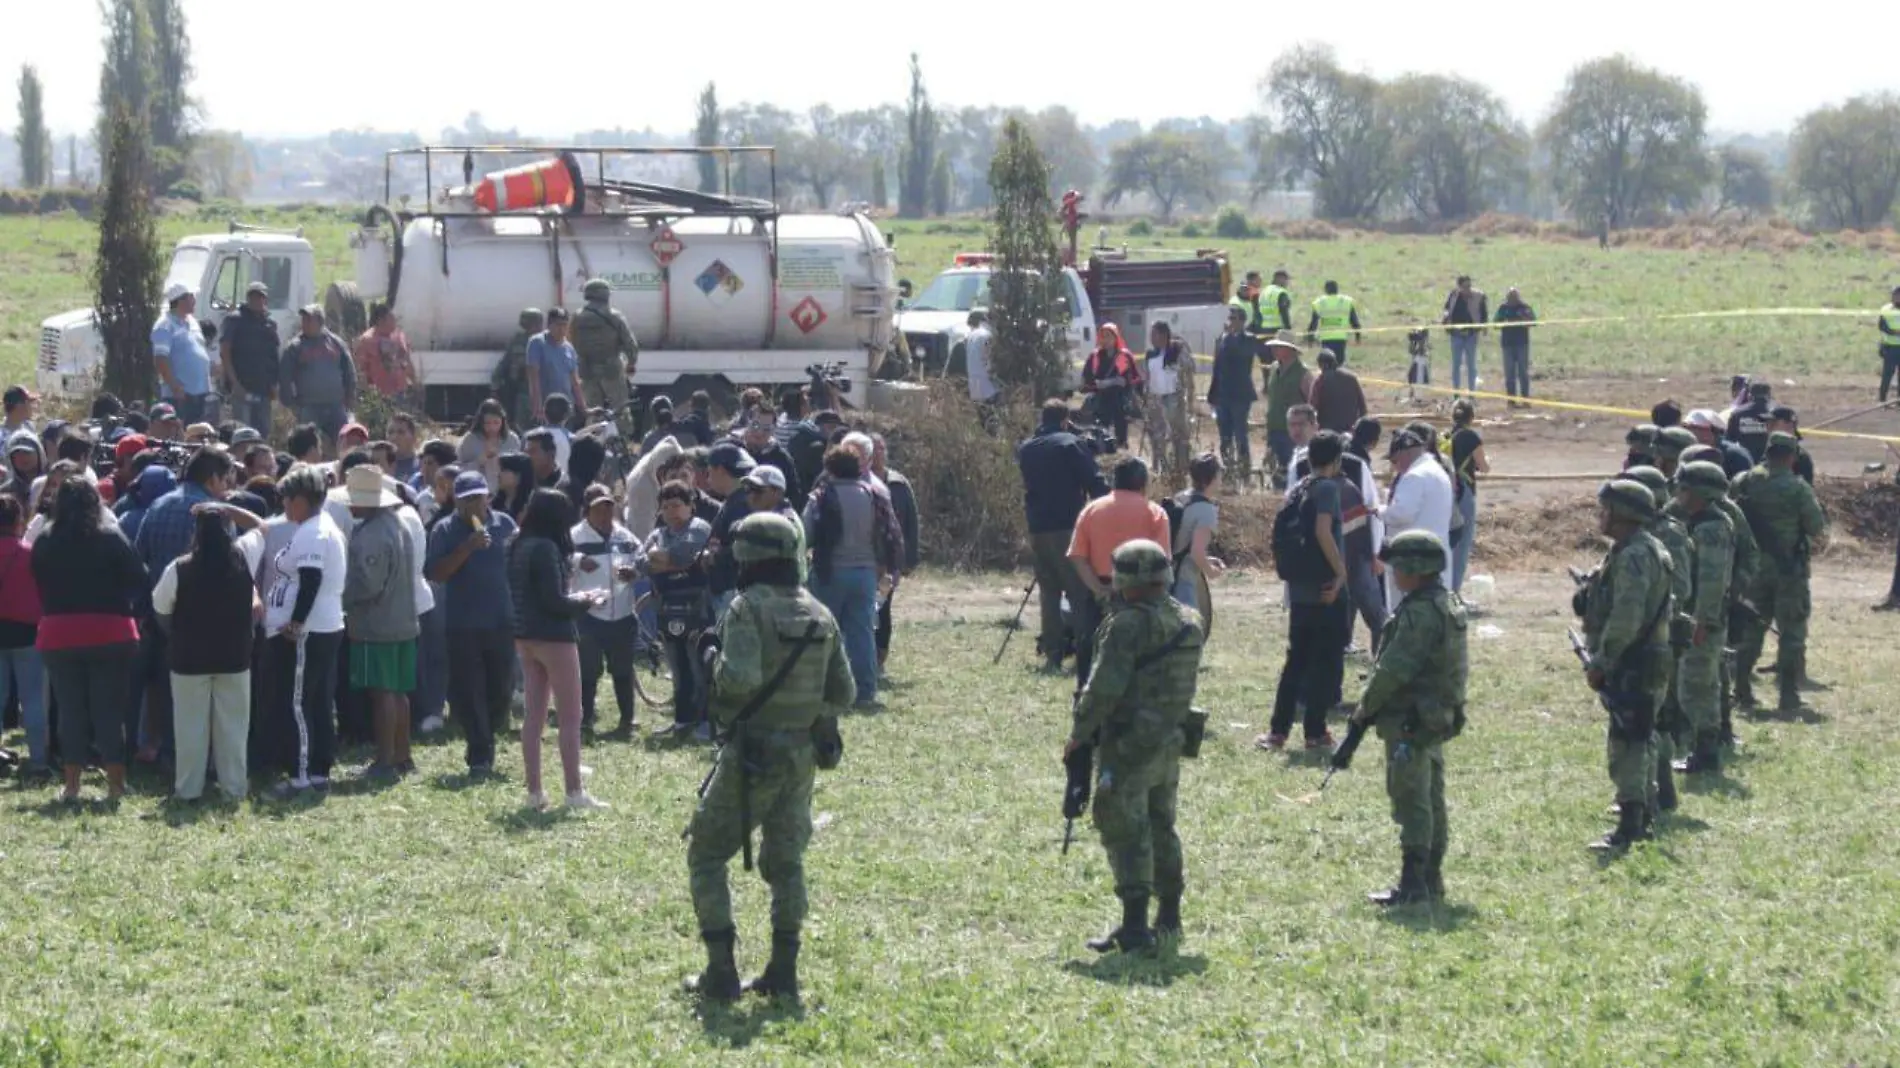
[1699, 669]
[762, 776]
[1416, 700]
[1671, 443]
[510, 380]
[1641, 440]
[1786, 518]
[607, 350]
[1626, 609]
[1671, 723]
[1741, 579]
[1133, 708]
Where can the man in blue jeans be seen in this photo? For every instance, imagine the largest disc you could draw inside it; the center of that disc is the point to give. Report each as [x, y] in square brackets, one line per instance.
[856, 541]
[1465, 305]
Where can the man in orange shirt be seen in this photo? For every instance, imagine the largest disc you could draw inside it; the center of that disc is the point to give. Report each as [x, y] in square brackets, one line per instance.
[382, 355]
[1106, 524]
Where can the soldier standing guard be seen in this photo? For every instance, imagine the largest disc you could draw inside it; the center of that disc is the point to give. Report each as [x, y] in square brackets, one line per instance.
[607, 350]
[1699, 486]
[1136, 710]
[1625, 609]
[1786, 518]
[1674, 536]
[779, 679]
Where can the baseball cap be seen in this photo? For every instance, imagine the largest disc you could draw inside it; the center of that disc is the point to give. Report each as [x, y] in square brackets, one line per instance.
[176, 292]
[731, 457]
[127, 447]
[18, 395]
[470, 484]
[314, 311]
[353, 428]
[1783, 413]
[162, 411]
[1403, 440]
[661, 403]
[23, 443]
[1705, 418]
[245, 435]
[764, 476]
[595, 494]
[255, 288]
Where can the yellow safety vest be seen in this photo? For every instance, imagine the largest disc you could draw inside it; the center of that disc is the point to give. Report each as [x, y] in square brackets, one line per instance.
[1890, 316]
[1249, 323]
[1335, 316]
[1270, 307]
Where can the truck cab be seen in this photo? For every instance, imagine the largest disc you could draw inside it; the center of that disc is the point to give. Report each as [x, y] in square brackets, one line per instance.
[935, 323]
[218, 268]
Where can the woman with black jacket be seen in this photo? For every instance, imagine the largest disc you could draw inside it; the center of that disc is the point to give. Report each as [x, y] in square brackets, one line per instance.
[540, 562]
[91, 582]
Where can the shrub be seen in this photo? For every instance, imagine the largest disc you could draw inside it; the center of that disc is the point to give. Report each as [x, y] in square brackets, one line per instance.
[1141, 228]
[186, 189]
[1233, 224]
[1192, 230]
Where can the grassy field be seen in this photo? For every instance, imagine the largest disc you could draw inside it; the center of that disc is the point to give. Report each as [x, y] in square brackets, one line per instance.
[1397, 281]
[438, 923]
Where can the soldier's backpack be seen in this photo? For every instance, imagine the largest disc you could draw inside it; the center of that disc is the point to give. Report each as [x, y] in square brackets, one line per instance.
[1297, 556]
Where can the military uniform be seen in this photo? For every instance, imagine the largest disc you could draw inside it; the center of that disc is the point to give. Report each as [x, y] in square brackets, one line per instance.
[1741, 578]
[1670, 718]
[510, 379]
[1133, 708]
[1625, 626]
[606, 349]
[762, 777]
[1415, 699]
[1785, 517]
[1699, 669]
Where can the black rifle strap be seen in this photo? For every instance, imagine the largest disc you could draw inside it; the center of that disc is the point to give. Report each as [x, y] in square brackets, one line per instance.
[799, 645]
[1147, 660]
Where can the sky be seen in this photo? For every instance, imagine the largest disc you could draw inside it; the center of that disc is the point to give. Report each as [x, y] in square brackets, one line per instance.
[274, 68]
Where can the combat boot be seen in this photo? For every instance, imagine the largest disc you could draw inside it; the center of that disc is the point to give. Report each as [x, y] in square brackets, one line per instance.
[1134, 935]
[1411, 888]
[781, 972]
[1435, 874]
[1665, 786]
[1744, 691]
[1788, 685]
[1706, 758]
[720, 980]
[1168, 916]
[1632, 826]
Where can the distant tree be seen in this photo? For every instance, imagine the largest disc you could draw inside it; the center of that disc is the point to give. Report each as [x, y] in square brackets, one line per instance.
[1747, 183]
[173, 110]
[1329, 127]
[940, 185]
[761, 124]
[72, 159]
[36, 145]
[1457, 150]
[127, 272]
[880, 190]
[706, 135]
[1026, 276]
[1625, 140]
[1846, 162]
[968, 142]
[125, 77]
[920, 147]
[825, 159]
[1065, 146]
[1169, 166]
[222, 162]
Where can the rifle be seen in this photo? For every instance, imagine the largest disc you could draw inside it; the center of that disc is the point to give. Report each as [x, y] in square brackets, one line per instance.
[736, 734]
[1080, 766]
[1748, 606]
[1342, 756]
[1015, 624]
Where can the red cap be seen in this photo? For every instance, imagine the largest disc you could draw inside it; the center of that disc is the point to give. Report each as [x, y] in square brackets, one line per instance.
[129, 446]
[353, 428]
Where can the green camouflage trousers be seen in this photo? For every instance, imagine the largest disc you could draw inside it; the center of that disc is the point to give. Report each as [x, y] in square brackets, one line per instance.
[1699, 681]
[1782, 598]
[1672, 723]
[1416, 785]
[1633, 769]
[606, 386]
[780, 806]
[1134, 811]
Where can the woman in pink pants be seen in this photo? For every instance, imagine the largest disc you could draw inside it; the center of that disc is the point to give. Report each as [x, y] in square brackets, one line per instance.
[547, 640]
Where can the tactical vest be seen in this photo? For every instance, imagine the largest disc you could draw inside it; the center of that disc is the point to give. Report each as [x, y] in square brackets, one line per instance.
[1335, 316]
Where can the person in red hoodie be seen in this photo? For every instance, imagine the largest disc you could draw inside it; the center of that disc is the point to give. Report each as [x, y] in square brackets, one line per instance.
[22, 673]
[1113, 376]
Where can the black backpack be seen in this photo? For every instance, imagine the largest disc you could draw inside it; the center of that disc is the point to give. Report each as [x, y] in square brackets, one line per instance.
[1297, 556]
[1175, 508]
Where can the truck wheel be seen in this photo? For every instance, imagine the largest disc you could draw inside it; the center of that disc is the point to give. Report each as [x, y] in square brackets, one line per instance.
[958, 366]
[725, 399]
[344, 311]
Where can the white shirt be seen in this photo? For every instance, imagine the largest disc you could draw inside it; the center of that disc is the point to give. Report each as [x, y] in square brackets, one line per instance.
[976, 354]
[1162, 379]
[620, 551]
[1422, 500]
[316, 543]
[563, 445]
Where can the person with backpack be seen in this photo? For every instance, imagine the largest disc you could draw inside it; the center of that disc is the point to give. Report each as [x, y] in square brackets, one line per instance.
[1364, 531]
[1193, 519]
[1309, 553]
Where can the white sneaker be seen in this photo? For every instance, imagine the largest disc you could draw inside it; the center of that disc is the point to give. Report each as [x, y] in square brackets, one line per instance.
[430, 724]
[581, 799]
[538, 802]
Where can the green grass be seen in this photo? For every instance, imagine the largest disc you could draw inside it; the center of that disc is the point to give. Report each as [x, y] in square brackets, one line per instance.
[436, 924]
[1397, 281]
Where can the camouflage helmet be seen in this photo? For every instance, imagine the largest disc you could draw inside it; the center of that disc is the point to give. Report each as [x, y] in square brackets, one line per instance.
[596, 289]
[764, 536]
[1415, 552]
[1783, 443]
[1704, 479]
[1672, 440]
[1700, 453]
[1642, 436]
[1627, 499]
[532, 319]
[1657, 482]
[1141, 563]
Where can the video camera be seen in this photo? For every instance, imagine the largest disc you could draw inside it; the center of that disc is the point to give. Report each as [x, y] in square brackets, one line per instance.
[828, 384]
[1098, 440]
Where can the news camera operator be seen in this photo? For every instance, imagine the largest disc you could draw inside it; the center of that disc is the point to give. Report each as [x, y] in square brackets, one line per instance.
[673, 559]
[1060, 476]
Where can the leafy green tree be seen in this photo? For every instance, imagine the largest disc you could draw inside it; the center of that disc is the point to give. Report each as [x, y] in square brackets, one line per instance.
[1170, 166]
[36, 144]
[1458, 151]
[1026, 276]
[1625, 140]
[1845, 161]
[706, 135]
[940, 185]
[1327, 126]
[920, 147]
[127, 271]
[1747, 182]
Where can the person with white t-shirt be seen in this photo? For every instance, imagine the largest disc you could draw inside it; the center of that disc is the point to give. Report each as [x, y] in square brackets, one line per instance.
[303, 620]
[1170, 368]
[1421, 500]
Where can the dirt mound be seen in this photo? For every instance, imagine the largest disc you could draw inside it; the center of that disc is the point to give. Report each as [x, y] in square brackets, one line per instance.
[1496, 224]
[1865, 515]
[1306, 230]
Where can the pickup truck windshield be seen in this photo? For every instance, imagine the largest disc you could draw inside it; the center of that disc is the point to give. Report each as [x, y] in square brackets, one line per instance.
[188, 268]
[955, 291]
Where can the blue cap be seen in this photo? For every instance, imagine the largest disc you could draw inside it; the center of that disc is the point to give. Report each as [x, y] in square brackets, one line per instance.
[117, 433]
[470, 484]
[730, 456]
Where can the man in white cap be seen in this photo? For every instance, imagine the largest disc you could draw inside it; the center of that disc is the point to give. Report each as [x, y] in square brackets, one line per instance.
[381, 615]
[765, 491]
[1707, 426]
[1421, 500]
[184, 365]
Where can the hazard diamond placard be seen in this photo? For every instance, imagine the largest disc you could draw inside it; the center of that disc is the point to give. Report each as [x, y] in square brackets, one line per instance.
[666, 246]
[807, 315]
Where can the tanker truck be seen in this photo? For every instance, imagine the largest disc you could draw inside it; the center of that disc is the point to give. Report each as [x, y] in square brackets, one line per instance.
[723, 292]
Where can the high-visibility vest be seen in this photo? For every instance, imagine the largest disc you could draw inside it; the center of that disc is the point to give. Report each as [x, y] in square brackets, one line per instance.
[1890, 318]
[1335, 316]
[1270, 307]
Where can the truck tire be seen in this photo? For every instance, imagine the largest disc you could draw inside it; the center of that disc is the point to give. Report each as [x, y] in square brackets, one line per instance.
[344, 312]
[725, 399]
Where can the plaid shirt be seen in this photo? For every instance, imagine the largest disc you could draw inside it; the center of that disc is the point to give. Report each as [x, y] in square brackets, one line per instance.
[168, 527]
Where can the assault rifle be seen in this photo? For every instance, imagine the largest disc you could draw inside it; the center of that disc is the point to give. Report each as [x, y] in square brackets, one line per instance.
[1342, 756]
